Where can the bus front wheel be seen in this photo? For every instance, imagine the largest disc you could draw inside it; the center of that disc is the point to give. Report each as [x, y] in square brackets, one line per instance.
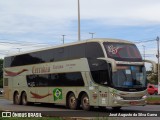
[17, 100]
[24, 99]
[85, 102]
[72, 102]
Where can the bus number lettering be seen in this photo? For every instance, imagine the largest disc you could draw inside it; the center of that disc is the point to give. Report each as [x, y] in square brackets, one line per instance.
[103, 95]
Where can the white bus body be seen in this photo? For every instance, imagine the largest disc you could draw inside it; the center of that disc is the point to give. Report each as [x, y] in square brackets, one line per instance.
[97, 72]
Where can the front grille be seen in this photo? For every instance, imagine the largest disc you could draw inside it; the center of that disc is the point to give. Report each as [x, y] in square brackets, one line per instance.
[132, 98]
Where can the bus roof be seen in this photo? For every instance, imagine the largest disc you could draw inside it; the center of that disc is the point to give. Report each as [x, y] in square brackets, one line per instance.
[101, 40]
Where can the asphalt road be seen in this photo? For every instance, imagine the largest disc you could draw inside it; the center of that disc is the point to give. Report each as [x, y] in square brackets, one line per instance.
[59, 110]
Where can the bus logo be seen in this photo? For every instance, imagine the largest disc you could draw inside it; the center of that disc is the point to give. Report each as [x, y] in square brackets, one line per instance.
[6, 114]
[57, 94]
[113, 49]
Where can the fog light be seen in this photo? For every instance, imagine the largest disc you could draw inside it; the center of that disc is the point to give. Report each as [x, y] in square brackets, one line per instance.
[115, 102]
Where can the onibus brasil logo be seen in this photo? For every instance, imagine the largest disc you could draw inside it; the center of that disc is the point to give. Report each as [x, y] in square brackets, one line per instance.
[57, 94]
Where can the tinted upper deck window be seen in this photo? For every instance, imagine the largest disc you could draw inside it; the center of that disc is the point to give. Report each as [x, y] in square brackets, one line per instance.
[94, 50]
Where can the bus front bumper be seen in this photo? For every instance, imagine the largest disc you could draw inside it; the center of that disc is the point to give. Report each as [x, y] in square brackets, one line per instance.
[118, 101]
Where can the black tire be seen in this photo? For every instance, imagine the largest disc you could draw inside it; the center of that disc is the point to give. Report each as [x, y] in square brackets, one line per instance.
[102, 108]
[72, 102]
[17, 99]
[116, 108]
[85, 102]
[24, 99]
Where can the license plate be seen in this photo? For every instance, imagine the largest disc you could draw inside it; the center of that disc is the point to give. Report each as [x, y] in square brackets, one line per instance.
[133, 102]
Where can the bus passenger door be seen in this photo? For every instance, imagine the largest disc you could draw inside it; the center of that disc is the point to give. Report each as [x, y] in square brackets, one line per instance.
[92, 89]
[100, 75]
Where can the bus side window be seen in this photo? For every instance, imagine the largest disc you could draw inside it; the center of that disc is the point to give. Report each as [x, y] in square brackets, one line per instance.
[8, 61]
[61, 54]
[76, 51]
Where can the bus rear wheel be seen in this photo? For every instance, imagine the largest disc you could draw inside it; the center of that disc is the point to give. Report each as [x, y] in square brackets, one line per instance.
[24, 99]
[17, 100]
[85, 102]
[72, 102]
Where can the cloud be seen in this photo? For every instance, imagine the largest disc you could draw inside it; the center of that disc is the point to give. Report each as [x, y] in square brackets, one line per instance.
[47, 20]
[51, 15]
[122, 12]
[23, 16]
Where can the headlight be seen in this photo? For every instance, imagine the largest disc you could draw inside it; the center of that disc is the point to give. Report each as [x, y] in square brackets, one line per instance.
[119, 98]
[144, 97]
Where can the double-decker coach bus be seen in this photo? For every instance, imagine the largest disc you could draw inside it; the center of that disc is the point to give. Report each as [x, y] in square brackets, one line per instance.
[96, 72]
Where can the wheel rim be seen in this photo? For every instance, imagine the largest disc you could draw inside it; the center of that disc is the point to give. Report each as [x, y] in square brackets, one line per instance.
[24, 99]
[72, 102]
[85, 102]
[16, 99]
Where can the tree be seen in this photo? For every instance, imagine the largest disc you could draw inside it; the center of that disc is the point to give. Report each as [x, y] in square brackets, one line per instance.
[152, 78]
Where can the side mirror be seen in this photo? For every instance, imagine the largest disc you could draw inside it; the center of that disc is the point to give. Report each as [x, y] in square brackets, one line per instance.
[154, 65]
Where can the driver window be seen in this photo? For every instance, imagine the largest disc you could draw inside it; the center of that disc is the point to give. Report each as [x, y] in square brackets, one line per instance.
[99, 71]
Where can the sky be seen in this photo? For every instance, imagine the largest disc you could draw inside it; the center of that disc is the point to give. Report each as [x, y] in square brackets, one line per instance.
[31, 24]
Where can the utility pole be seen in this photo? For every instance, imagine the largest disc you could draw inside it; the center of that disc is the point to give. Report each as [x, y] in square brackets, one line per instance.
[19, 49]
[63, 38]
[158, 64]
[79, 29]
[91, 34]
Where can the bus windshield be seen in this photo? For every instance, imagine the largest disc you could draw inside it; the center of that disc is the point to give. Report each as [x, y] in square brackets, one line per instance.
[122, 51]
[129, 77]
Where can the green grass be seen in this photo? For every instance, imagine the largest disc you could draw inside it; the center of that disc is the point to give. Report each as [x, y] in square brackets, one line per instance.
[149, 99]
